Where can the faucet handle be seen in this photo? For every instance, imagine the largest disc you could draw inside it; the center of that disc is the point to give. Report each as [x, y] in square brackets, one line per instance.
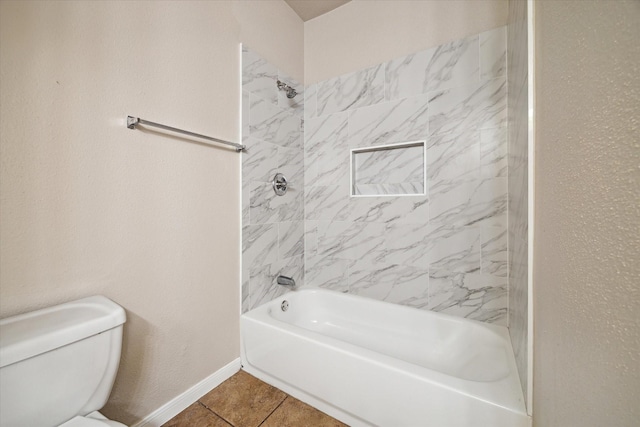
[280, 184]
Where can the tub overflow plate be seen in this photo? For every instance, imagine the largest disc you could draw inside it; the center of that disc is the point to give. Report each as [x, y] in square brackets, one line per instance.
[285, 305]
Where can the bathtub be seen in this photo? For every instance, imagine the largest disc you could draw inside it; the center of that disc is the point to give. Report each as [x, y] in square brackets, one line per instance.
[367, 362]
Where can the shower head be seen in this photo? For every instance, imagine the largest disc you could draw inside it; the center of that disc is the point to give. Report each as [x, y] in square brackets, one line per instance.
[291, 92]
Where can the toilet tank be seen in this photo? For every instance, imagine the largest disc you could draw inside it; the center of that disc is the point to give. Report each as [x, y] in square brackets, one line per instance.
[59, 362]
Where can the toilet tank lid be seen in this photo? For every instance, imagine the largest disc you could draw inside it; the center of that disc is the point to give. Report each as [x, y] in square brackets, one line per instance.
[29, 334]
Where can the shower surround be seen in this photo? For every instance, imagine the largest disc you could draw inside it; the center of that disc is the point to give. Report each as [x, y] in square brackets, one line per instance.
[272, 226]
[445, 250]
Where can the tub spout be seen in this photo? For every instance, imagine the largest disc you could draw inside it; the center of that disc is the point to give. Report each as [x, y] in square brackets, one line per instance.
[286, 281]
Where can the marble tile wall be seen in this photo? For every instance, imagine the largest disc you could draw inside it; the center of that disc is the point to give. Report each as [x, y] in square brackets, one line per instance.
[518, 185]
[445, 250]
[272, 226]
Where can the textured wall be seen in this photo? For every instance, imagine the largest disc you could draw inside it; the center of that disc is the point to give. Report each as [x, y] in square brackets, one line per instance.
[518, 118]
[587, 233]
[363, 33]
[445, 250]
[90, 207]
[272, 225]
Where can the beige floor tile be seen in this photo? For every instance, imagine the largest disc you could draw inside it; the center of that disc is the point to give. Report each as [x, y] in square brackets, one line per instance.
[243, 400]
[196, 415]
[294, 413]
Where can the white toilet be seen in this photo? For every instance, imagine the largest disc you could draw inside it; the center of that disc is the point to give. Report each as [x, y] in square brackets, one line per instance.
[58, 364]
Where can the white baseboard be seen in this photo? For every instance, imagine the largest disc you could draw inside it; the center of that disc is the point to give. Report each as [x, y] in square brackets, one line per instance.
[182, 401]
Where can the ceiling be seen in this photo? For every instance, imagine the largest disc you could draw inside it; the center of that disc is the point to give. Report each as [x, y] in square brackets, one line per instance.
[309, 9]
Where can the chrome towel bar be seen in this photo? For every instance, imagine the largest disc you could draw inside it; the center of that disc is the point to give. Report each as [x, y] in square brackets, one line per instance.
[133, 121]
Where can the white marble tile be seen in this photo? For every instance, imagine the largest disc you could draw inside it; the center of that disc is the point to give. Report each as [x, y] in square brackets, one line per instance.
[246, 304]
[246, 202]
[493, 153]
[293, 105]
[259, 245]
[259, 160]
[358, 89]
[293, 267]
[489, 203]
[327, 129]
[518, 297]
[494, 251]
[273, 124]
[259, 76]
[406, 244]
[473, 106]
[453, 64]
[351, 241]
[262, 285]
[493, 53]
[290, 239]
[469, 202]
[406, 76]
[264, 204]
[246, 107]
[453, 157]
[398, 284]
[311, 238]
[326, 150]
[475, 296]
[290, 163]
[446, 66]
[267, 207]
[401, 209]
[330, 203]
[328, 167]
[263, 280]
[327, 272]
[310, 102]
[404, 120]
[455, 249]
[518, 201]
[451, 202]
[295, 210]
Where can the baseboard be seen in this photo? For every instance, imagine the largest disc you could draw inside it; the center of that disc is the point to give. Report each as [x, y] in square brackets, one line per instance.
[182, 401]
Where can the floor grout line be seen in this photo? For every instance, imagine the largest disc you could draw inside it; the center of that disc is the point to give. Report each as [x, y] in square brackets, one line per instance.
[216, 414]
[274, 410]
[181, 420]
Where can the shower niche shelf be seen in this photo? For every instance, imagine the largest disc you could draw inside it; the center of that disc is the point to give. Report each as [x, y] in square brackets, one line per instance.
[389, 170]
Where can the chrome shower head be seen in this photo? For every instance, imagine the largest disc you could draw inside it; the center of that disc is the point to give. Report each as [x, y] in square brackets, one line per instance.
[291, 92]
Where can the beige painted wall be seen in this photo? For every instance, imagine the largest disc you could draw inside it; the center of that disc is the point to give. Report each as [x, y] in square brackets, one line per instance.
[90, 207]
[273, 30]
[587, 225]
[363, 33]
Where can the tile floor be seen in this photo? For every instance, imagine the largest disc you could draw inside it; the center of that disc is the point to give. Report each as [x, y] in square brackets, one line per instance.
[245, 401]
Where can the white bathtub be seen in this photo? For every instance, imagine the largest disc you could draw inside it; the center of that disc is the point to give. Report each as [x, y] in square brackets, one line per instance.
[367, 362]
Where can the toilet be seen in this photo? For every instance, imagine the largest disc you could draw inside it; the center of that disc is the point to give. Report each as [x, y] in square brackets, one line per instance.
[58, 364]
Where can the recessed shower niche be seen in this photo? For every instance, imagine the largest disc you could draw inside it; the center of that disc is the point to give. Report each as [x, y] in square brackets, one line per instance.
[389, 170]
